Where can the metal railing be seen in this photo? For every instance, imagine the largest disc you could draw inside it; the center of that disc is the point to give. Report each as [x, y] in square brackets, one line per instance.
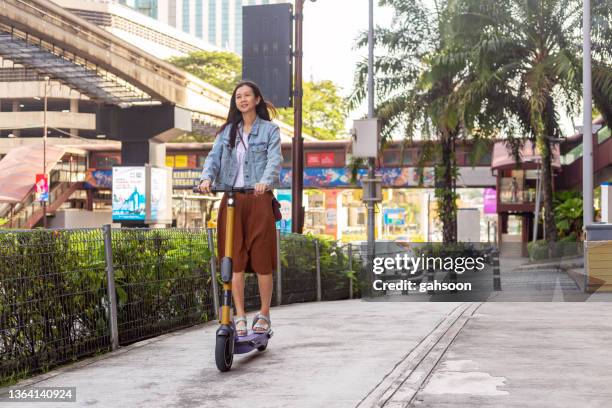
[60, 182]
[53, 305]
[65, 294]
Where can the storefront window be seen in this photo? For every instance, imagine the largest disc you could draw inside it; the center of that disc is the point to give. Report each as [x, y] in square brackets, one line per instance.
[519, 187]
[399, 157]
[105, 160]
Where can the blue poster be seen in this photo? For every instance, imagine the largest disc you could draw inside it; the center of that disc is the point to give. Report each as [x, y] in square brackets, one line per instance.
[128, 193]
[284, 197]
[99, 179]
[394, 216]
[341, 177]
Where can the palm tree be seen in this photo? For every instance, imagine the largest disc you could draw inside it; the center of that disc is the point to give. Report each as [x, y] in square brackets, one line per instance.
[525, 58]
[418, 90]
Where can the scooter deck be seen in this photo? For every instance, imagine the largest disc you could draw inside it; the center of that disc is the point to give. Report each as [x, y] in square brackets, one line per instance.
[251, 341]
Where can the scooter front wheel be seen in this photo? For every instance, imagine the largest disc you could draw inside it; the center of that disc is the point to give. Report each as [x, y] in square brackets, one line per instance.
[224, 353]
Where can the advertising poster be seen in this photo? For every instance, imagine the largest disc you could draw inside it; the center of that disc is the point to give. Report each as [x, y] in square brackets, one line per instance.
[341, 177]
[159, 194]
[394, 216]
[128, 193]
[490, 201]
[42, 188]
[99, 178]
[284, 198]
[331, 212]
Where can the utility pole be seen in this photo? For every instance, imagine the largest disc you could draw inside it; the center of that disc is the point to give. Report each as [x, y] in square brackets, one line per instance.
[587, 132]
[372, 161]
[297, 144]
[44, 204]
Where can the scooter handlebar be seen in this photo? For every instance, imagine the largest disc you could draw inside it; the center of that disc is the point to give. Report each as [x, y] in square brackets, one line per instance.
[196, 189]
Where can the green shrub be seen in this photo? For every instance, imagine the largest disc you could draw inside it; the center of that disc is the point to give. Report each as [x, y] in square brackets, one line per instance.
[537, 250]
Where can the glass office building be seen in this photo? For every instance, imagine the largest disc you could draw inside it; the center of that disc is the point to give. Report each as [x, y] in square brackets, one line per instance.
[146, 7]
[218, 22]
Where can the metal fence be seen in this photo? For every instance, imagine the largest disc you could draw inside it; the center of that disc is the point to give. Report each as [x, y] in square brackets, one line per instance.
[299, 267]
[53, 303]
[65, 294]
[336, 261]
[162, 280]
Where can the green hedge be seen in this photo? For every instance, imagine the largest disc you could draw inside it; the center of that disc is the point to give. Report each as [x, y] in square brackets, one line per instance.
[53, 297]
[542, 250]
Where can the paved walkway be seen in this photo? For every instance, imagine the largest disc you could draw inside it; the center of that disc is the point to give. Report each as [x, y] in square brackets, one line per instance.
[526, 355]
[356, 353]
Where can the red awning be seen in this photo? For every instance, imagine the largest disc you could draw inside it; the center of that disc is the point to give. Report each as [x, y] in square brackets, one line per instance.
[502, 157]
[19, 167]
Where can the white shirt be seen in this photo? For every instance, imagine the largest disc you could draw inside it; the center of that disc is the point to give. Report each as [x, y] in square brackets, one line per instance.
[241, 148]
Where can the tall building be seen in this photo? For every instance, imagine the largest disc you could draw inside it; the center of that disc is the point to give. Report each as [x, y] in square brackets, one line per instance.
[148, 33]
[218, 22]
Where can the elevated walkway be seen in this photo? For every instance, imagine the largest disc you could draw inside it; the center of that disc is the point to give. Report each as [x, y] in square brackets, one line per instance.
[571, 176]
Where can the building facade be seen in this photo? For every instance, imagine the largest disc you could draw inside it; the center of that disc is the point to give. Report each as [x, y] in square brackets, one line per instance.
[218, 22]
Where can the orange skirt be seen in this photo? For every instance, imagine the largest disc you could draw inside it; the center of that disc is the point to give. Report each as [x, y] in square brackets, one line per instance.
[254, 233]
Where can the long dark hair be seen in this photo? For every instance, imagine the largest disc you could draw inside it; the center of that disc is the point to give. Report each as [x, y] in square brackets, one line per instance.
[234, 116]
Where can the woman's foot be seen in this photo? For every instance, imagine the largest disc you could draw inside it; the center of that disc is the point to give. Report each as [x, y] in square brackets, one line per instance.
[241, 325]
[261, 323]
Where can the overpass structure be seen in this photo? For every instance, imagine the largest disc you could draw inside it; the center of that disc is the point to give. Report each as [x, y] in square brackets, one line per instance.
[125, 84]
[60, 70]
[40, 37]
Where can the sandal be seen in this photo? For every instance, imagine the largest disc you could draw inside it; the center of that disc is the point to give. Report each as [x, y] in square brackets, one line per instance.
[261, 327]
[242, 331]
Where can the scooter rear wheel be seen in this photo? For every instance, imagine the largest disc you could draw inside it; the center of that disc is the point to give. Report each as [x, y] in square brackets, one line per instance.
[224, 355]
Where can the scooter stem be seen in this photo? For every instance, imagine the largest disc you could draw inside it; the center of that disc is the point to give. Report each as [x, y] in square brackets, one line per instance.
[227, 261]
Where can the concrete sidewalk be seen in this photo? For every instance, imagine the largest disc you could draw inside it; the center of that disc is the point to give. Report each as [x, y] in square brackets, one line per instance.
[526, 355]
[355, 353]
[322, 354]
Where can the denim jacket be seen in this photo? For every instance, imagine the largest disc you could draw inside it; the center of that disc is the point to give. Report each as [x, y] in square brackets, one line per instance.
[262, 161]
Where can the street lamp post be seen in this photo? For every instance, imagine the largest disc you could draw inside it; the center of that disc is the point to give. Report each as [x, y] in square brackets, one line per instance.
[587, 134]
[372, 161]
[45, 151]
[297, 144]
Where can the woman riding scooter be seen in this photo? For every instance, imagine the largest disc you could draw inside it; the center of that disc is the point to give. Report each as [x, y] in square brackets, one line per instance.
[247, 153]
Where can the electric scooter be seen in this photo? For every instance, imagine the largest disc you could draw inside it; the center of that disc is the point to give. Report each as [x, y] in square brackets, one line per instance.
[228, 343]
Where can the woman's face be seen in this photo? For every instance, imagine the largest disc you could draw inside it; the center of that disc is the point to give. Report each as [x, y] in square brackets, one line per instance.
[245, 99]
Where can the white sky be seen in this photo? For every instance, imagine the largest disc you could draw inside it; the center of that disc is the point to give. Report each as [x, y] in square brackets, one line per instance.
[330, 30]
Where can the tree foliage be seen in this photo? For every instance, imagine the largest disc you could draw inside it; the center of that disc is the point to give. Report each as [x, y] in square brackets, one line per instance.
[526, 59]
[219, 68]
[479, 68]
[324, 110]
[419, 90]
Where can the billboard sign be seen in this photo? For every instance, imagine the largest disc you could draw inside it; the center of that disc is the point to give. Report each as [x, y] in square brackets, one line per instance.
[129, 193]
[394, 216]
[284, 198]
[42, 188]
[490, 201]
[158, 197]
